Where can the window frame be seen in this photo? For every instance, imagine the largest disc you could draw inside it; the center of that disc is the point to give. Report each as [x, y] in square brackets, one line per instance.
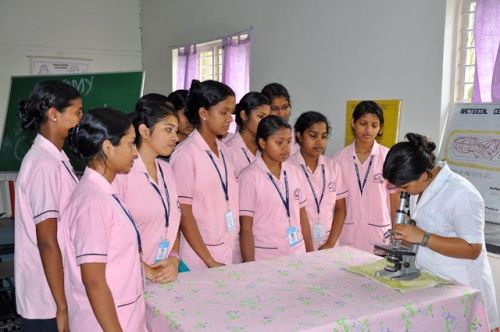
[465, 52]
[217, 59]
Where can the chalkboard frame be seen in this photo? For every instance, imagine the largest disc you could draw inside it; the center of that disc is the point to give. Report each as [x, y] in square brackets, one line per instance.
[110, 91]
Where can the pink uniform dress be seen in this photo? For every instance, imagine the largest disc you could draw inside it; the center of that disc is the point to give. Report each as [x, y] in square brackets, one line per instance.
[240, 155]
[98, 228]
[43, 188]
[154, 206]
[323, 188]
[368, 213]
[261, 200]
[202, 180]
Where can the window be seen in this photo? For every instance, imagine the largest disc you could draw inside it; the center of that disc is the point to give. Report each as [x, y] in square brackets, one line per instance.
[198, 61]
[466, 54]
[210, 61]
[226, 59]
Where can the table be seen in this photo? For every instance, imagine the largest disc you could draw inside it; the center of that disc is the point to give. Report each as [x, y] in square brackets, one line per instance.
[308, 292]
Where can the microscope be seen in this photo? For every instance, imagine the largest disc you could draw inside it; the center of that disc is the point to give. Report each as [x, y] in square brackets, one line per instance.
[400, 254]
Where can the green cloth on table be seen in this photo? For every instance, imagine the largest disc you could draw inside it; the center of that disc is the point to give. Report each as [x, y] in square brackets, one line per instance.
[425, 280]
[183, 267]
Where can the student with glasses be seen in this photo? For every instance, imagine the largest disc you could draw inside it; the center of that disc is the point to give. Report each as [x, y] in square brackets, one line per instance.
[242, 147]
[280, 106]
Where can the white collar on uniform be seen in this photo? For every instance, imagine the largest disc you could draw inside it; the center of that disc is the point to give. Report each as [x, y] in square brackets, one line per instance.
[437, 183]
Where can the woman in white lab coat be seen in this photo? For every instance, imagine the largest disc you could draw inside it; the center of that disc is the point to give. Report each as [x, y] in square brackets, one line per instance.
[449, 215]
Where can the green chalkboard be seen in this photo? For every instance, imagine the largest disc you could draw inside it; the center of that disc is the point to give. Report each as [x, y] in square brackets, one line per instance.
[116, 90]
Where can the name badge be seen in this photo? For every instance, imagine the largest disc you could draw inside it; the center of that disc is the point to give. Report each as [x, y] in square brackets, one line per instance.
[161, 254]
[318, 232]
[230, 221]
[292, 235]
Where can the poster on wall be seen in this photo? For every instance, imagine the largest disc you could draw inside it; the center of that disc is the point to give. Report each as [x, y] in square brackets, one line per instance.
[391, 109]
[471, 147]
[57, 65]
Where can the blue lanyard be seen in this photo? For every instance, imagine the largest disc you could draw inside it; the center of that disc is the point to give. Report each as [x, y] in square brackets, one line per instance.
[73, 176]
[318, 203]
[362, 186]
[246, 155]
[225, 186]
[286, 199]
[166, 208]
[139, 242]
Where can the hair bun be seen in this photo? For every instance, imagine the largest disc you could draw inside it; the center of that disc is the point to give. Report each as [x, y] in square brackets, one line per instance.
[23, 111]
[23, 106]
[28, 119]
[195, 84]
[73, 141]
[421, 142]
[193, 90]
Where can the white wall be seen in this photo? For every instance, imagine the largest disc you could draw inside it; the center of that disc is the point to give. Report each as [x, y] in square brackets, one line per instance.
[323, 51]
[106, 31]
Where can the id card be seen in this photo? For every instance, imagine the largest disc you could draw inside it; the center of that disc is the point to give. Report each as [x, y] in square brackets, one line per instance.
[161, 254]
[230, 221]
[318, 232]
[292, 235]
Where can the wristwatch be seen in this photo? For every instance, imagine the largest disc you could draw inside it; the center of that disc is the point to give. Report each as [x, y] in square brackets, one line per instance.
[425, 239]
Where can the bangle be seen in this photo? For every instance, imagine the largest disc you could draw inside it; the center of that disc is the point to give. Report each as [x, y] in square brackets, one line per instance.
[174, 254]
[425, 239]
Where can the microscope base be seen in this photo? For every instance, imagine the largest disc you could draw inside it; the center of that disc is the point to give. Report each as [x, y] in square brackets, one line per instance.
[403, 262]
[400, 275]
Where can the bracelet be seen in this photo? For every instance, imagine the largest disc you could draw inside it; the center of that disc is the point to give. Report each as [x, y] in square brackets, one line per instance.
[174, 254]
[425, 239]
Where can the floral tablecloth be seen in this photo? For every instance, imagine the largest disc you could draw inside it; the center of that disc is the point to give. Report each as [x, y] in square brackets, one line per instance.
[308, 292]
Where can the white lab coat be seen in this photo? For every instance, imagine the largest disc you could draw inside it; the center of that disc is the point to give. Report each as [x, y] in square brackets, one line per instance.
[452, 207]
